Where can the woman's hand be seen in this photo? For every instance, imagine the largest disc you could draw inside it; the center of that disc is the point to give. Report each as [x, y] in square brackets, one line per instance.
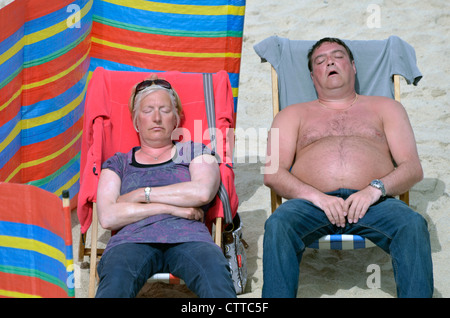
[189, 213]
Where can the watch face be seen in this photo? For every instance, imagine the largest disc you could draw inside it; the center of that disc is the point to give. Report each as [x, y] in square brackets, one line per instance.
[379, 185]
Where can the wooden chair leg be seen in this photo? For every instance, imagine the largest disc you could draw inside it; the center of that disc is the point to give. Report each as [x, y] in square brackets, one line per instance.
[275, 200]
[82, 247]
[405, 197]
[93, 256]
[218, 232]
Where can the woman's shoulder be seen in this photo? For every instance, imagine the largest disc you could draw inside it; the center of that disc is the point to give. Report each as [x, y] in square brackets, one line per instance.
[190, 143]
[119, 158]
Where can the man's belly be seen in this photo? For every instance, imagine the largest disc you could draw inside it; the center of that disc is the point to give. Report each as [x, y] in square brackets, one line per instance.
[342, 162]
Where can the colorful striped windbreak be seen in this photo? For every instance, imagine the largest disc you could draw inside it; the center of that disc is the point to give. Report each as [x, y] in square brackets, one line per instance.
[49, 49]
[36, 257]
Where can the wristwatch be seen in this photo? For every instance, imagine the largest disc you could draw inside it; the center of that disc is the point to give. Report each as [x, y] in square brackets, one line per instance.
[379, 185]
[147, 191]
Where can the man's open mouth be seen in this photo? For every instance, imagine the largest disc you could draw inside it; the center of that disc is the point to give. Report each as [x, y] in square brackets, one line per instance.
[332, 73]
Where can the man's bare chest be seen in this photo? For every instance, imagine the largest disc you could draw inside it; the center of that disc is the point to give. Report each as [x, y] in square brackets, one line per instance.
[340, 124]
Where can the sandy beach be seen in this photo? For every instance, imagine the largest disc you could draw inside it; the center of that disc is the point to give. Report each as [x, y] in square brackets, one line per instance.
[423, 24]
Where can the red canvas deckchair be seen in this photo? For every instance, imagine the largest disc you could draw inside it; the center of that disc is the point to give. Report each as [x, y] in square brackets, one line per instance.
[108, 129]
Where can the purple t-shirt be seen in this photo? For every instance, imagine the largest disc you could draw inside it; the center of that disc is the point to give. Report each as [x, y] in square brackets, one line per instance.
[161, 228]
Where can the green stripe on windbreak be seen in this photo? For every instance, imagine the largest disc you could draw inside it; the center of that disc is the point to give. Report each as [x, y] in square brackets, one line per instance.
[143, 29]
[46, 58]
[11, 77]
[34, 273]
[39, 183]
[58, 53]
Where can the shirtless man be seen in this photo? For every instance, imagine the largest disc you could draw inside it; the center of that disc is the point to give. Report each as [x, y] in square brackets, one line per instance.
[336, 168]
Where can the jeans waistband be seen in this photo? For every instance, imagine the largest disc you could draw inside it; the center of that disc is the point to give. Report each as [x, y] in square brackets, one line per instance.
[342, 192]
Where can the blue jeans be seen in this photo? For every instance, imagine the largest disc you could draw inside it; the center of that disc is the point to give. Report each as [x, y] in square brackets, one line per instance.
[125, 268]
[389, 223]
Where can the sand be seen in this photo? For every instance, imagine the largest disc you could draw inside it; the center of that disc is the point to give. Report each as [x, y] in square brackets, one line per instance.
[423, 24]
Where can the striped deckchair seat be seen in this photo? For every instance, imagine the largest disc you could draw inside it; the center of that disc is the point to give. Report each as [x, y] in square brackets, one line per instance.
[341, 242]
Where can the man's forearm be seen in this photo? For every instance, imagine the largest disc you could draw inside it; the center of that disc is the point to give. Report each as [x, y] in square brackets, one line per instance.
[403, 178]
[289, 187]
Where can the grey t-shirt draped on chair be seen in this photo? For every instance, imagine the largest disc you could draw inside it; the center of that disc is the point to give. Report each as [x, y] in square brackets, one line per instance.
[376, 62]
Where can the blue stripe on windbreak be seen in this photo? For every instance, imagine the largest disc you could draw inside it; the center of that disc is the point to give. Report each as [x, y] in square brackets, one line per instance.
[171, 21]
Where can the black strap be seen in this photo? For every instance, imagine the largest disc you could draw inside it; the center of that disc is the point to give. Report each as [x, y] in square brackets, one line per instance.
[208, 89]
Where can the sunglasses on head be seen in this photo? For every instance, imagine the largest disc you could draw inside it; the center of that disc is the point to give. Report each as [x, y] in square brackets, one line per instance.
[147, 83]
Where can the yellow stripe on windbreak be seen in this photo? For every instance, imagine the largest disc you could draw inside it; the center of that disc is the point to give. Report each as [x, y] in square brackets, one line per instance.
[33, 122]
[13, 294]
[180, 8]
[57, 76]
[36, 162]
[33, 245]
[44, 119]
[13, 97]
[235, 91]
[41, 35]
[55, 29]
[13, 134]
[12, 50]
[30, 123]
[68, 184]
[57, 114]
[164, 53]
[47, 118]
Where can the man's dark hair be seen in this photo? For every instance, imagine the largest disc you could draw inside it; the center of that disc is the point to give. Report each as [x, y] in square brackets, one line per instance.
[331, 40]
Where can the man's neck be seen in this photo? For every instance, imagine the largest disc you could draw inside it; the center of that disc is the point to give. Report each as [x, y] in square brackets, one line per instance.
[339, 102]
[337, 96]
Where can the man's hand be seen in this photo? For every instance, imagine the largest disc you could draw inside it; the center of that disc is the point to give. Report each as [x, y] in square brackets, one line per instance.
[333, 207]
[359, 202]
